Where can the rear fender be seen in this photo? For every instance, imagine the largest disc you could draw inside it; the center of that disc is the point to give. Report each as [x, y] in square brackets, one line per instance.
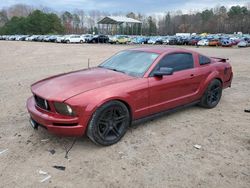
[213, 75]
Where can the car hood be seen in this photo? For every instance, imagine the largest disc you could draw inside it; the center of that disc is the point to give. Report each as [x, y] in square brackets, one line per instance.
[65, 86]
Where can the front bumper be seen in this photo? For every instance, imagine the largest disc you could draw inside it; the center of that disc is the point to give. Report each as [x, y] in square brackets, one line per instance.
[56, 123]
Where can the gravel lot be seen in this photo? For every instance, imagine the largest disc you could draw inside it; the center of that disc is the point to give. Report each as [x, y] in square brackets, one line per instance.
[158, 153]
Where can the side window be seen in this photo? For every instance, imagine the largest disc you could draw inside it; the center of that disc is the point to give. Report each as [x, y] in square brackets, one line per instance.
[177, 61]
[203, 60]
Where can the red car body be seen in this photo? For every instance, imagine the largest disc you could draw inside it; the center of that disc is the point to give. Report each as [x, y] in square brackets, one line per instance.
[86, 90]
[214, 42]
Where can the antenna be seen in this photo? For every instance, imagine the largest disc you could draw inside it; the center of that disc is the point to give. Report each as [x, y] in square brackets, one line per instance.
[88, 63]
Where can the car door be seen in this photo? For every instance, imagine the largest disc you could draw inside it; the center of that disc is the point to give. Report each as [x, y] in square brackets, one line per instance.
[101, 38]
[77, 38]
[74, 39]
[71, 38]
[170, 91]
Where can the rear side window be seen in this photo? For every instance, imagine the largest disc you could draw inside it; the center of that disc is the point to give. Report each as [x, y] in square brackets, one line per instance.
[177, 61]
[204, 60]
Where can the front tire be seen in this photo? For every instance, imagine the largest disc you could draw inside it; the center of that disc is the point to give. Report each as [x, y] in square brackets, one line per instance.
[109, 123]
[212, 94]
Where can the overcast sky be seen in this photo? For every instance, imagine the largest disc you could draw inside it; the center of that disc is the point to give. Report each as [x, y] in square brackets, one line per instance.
[143, 6]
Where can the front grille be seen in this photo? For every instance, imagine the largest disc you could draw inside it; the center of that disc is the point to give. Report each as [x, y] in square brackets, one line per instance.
[42, 103]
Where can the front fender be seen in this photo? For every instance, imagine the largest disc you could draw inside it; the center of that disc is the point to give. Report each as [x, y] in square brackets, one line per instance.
[87, 103]
[92, 107]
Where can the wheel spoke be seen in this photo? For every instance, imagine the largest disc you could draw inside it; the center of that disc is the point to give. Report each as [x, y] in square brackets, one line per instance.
[103, 121]
[116, 131]
[120, 119]
[209, 93]
[209, 97]
[106, 132]
[217, 89]
[215, 94]
[112, 113]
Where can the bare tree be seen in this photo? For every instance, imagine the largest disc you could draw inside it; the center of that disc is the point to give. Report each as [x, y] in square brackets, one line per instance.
[19, 10]
[3, 17]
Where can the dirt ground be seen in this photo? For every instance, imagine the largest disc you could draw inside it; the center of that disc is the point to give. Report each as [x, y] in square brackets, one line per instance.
[158, 153]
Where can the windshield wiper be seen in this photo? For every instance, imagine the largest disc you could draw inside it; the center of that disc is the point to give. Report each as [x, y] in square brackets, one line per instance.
[113, 69]
[117, 70]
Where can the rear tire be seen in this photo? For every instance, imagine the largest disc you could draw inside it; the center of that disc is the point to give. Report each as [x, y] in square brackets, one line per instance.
[212, 94]
[109, 123]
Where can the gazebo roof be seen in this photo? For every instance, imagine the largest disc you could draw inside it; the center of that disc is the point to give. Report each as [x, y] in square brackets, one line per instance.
[117, 20]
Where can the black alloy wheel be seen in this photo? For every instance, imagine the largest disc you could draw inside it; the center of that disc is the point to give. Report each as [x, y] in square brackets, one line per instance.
[212, 95]
[109, 123]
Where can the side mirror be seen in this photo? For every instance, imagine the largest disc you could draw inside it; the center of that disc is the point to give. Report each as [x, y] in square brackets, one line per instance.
[164, 71]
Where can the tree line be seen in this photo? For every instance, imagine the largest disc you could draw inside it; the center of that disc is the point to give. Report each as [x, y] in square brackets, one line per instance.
[23, 19]
[36, 22]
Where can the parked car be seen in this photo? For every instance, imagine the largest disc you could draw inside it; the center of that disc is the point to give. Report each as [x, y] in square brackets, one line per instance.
[5, 37]
[99, 39]
[59, 38]
[214, 42]
[12, 37]
[87, 37]
[203, 42]
[134, 84]
[52, 38]
[73, 39]
[19, 37]
[140, 40]
[193, 41]
[172, 41]
[165, 40]
[32, 38]
[226, 43]
[113, 39]
[243, 43]
[182, 41]
[40, 38]
[235, 40]
[46, 38]
[122, 39]
[155, 40]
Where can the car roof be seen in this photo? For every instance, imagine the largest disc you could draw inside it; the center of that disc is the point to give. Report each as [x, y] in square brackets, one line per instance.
[161, 50]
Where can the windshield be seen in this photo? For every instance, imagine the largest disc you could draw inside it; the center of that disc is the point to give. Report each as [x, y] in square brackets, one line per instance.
[131, 62]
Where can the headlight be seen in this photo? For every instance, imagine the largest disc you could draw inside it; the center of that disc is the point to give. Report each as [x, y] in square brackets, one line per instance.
[64, 109]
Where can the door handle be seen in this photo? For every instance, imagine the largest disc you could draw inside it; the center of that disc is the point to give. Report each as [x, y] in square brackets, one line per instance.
[191, 76]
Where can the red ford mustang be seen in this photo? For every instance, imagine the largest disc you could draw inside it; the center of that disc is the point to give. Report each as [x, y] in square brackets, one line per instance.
[131, 85]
